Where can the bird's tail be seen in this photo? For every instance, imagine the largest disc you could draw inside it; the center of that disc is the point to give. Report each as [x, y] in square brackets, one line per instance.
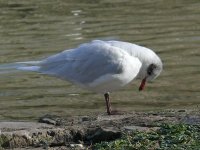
[20, 66]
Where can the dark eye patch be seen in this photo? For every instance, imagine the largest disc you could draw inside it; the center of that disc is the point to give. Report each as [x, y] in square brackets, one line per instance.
[150, 69]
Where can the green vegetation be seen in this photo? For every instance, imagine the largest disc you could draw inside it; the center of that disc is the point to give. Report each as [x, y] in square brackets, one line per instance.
[167, 137]
[3, 141]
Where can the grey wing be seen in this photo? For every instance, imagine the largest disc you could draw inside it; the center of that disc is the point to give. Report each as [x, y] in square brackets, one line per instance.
[84, 64]
[130, 48]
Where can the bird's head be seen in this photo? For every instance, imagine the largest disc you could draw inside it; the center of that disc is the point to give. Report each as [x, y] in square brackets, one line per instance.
[151, 68]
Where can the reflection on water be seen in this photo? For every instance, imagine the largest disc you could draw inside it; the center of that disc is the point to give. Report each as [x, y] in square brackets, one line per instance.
[33, 29]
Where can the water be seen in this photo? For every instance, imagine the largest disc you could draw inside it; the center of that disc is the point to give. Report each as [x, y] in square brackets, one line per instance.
[34, 29]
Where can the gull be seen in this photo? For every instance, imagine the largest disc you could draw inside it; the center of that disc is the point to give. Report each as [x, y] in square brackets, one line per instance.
[99, 66]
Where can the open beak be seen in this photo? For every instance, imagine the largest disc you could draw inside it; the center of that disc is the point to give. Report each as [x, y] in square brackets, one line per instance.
[142, 84]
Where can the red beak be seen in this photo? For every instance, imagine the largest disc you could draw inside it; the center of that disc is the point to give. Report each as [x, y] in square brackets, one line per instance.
[142, 84]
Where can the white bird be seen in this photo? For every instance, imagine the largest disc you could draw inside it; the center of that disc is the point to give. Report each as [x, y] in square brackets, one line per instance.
[99, 66]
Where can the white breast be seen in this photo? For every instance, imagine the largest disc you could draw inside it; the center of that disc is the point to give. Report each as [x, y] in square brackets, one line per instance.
[112, 82]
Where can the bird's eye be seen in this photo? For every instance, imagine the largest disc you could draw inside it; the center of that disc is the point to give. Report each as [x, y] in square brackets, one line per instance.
[150, 69]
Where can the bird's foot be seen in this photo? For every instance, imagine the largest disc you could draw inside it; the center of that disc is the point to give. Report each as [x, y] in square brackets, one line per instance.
[116, 112]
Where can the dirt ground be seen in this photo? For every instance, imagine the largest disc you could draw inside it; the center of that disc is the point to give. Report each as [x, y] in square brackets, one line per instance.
[79, 132]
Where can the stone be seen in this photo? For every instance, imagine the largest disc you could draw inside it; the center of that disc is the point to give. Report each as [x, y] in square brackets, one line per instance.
[76, 146]
[86, 130]
[103, 134]
[48, 120]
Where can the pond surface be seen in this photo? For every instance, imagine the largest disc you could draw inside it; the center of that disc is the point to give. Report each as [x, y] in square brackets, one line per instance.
[35, 29]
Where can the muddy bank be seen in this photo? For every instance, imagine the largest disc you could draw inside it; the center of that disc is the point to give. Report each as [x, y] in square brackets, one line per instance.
[78, 132]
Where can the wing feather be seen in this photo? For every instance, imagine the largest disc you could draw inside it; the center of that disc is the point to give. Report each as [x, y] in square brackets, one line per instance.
[85, 63]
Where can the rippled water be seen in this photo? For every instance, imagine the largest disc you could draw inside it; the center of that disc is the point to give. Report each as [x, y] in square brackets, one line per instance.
[34, 29]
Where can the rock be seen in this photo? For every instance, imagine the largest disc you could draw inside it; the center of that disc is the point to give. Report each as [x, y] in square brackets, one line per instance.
[42, 136]
[103, 134]
[4, 140]
[138, 128]
[78, 134]
[71, 131]
[76, 146]
[195, 119]
[48, 119]
[15, 139]
[86, 118]
[13, 126]
[20, 139]
[50, 137]
[182, 110]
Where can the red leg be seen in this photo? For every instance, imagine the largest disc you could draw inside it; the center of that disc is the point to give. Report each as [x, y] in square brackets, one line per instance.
[107, 98]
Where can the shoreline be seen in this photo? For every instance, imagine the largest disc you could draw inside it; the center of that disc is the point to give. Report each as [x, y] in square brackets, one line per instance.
[78, 132]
